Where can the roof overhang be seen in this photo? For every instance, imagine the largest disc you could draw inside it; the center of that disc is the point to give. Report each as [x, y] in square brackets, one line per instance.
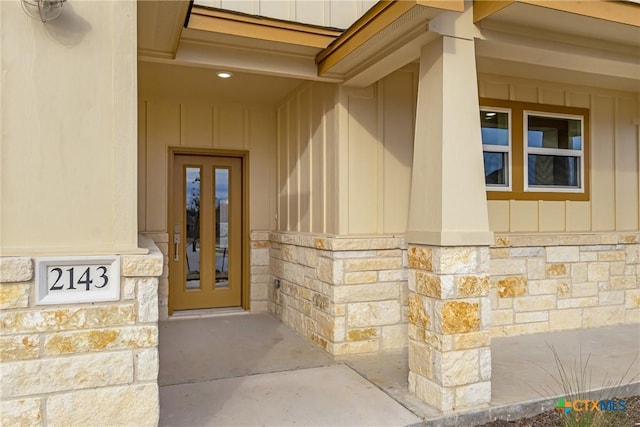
[620, 12]
[215, 38]
[387, 37]
[223, 22]
[595, 43]
[160, 25]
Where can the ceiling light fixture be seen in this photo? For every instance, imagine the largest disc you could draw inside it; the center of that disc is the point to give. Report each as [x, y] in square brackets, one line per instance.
[44, 10]
[490, 114]
[224, 74]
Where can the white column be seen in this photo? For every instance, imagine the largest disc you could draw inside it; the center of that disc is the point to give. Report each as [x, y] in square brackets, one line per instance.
[448, 202]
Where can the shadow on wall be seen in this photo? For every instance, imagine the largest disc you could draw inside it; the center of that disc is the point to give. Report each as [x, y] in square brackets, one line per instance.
[69, 29]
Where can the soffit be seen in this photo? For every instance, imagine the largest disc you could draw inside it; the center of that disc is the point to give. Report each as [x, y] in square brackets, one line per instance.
[613, 22]
[238, 42]
[160, 25]
[217, 21]
[387, 37]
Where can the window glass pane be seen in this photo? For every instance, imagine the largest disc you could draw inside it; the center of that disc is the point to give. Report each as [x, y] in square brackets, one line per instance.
[494, 127]
[192, 244]
[222, 227]
[495, 168]
[554, 132]
[554, 171]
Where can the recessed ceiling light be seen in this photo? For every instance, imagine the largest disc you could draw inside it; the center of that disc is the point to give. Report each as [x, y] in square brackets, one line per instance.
[224, 74]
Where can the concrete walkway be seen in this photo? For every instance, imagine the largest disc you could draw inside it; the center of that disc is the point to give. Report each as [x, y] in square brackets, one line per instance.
[250, 369]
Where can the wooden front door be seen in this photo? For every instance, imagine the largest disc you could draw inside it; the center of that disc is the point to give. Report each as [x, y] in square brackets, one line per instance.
[205, 232]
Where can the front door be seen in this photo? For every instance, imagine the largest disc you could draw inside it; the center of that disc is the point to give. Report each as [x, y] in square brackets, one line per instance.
[205, 265]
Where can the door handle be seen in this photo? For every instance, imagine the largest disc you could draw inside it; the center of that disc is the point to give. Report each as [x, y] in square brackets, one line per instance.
[176, 247]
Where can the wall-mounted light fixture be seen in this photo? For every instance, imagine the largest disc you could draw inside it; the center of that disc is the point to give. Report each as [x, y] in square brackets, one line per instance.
[44, 10]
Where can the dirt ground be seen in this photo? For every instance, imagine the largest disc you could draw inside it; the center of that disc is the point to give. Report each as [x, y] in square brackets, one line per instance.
[628, 418]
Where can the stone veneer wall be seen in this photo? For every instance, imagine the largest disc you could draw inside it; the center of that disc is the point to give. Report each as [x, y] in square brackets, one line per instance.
[348, 295]
[258, 274]
[162, 242]
[260, 278]
[550, 282]
[80, 364]
[449, 316]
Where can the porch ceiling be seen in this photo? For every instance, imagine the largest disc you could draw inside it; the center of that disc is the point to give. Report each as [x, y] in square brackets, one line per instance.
[585, 43]
[200, 84]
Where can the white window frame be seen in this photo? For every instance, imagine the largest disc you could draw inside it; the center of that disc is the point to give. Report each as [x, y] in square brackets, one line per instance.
[500, 149]
[551, 152]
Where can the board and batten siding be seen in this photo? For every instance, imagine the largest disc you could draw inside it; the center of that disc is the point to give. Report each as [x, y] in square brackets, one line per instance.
[615, 179]
[306, 158]
[345, 155]
[165, 123]
[325, 13]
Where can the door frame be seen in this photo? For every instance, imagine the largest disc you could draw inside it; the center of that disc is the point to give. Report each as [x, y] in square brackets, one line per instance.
[243, 155]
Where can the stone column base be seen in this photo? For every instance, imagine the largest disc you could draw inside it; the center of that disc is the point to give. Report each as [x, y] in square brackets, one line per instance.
[449, 312]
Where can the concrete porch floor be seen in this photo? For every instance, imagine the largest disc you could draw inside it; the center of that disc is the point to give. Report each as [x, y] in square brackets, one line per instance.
[250, 369]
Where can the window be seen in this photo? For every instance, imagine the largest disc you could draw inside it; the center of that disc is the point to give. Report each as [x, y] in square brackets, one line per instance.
[554, 152]
[496, 148]
[534, 151]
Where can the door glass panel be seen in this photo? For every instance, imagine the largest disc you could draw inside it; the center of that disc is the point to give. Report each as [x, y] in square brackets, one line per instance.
[222, 227]
[192, 241]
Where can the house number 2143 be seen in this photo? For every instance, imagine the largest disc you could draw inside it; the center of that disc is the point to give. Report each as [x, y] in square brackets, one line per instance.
[74, 278]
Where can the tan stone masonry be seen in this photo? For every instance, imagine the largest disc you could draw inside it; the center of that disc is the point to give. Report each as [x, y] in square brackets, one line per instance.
[80, 364]
[449, 314]
[348, 295]
[550, 282]
[260, 278]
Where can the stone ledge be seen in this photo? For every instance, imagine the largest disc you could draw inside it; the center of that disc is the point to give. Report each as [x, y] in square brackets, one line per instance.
[338, 243]
[16, 269]
[511, 240]
[149, 265]
[257, 235]
[156, 237]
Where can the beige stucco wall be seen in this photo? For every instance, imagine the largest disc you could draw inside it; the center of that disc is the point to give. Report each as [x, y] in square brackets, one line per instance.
[345, 155]
[68, 119]
[615, 160]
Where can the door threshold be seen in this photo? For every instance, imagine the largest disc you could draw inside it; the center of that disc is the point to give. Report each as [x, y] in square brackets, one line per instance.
[208, 312]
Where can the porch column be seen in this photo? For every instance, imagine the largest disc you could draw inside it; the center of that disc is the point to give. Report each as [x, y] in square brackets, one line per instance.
[448, 233]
